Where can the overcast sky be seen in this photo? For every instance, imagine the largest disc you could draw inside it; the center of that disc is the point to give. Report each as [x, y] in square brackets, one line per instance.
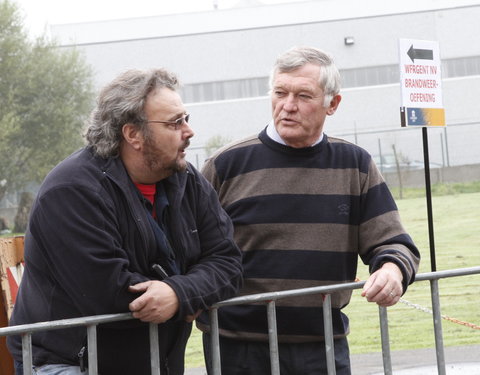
[40, 13]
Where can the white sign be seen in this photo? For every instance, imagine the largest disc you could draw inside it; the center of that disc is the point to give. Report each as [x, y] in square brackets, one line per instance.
[421, 83]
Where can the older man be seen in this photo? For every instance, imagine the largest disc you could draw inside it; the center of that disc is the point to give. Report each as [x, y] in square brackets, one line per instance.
[304, 207]
[125, 224]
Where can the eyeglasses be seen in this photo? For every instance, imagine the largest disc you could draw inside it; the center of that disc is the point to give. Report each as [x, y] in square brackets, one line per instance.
[177, 124]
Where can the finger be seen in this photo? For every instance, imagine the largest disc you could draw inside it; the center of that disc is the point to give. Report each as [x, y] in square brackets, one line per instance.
[138, 303]
[368, 285]
[140, 287]
[390, 299]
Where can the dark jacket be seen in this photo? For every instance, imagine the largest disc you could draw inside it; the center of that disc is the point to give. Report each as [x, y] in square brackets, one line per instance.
[89, 238]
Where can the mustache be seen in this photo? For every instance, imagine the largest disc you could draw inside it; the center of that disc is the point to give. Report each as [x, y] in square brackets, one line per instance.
[186, 144]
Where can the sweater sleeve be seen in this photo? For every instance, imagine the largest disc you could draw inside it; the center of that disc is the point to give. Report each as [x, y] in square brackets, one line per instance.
[75, 235]
[382, 237]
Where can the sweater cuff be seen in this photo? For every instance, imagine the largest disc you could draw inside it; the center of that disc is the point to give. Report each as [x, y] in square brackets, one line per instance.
[381, 260]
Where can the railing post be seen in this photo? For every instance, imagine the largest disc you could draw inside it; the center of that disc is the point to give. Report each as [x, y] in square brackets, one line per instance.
[437, 325]
[154, 349]
[27, 353]
[387, 359]
[328, 332]
[215, 341]
[273, 338]
[92, 350]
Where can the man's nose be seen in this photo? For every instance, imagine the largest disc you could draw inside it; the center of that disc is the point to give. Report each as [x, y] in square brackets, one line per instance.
[290, 103]
[187, 131]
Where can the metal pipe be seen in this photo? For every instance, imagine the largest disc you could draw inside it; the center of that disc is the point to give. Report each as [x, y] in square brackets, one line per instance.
[215, 342]
[154, 349]
[26, 330]
[437, 325]
[328, 289]
[387, 359]
[328, 333]
[273, 338]
[27, 353]
[92, 350]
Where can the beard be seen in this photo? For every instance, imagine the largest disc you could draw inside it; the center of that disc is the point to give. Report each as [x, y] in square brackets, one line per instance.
[159, 162]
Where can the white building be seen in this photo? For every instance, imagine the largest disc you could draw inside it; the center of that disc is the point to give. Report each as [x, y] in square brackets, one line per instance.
[223, 58]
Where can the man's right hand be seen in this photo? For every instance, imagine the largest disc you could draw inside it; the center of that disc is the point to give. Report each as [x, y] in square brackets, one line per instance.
[157, 304]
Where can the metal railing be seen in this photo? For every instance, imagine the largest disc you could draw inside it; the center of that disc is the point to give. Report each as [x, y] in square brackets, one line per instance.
[92, 322]
[326, 292]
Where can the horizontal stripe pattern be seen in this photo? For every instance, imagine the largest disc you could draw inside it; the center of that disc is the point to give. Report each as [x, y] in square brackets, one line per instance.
[300, 264]
[306, 236]
[264, 285]
[250, 321]
[285, 181]
[302, 217]
[330, 153]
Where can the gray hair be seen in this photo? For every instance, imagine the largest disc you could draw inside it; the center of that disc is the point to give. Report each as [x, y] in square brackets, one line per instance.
[120, 102]
[297, 57]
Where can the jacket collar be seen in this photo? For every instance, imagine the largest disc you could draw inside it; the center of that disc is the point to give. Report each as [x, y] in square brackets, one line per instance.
[114, 168]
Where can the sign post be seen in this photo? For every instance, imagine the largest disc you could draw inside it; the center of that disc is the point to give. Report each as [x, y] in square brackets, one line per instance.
[422, 104]
[421, 83]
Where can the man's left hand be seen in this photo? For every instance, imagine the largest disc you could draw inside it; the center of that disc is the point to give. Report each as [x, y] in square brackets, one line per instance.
[157, 304]
[384, 286]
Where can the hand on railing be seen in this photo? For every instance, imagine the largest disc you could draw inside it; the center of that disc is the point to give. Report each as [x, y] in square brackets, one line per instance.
[384, 286]
[157, 304]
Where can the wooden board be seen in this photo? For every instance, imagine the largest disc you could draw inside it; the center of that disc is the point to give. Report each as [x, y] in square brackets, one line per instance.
[11, 267]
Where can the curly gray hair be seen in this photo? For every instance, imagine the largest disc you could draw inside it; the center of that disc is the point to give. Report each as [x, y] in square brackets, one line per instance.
[120, 102]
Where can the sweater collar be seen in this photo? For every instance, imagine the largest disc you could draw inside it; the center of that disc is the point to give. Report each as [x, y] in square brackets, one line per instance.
[274, 136]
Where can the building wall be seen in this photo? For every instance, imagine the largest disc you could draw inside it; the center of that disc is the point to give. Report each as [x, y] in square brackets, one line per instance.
[243, 43]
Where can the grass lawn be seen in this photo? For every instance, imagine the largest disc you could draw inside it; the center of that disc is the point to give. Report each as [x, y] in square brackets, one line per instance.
[456, 220]
[457, 245]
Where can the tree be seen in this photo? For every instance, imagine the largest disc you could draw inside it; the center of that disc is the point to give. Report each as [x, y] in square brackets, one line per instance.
[214, 143]
[45, 96]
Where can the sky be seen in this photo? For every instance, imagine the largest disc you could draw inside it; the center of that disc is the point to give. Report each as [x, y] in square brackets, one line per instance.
[38, 14]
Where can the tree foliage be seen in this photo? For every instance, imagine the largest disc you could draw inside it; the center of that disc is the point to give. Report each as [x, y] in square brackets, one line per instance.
[214, 143]
[45, 96]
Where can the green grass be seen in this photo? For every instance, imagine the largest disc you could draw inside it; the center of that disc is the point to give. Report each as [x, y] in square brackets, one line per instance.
[457, 245]
[456, 218]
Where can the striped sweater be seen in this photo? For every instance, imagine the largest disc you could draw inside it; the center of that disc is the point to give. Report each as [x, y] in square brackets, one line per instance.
[302, 217]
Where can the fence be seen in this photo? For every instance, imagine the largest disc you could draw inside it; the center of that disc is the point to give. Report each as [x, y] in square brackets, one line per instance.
[450, 146]
[269, 298]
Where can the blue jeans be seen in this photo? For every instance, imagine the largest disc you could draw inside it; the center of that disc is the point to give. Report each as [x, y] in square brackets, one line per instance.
[57, 369]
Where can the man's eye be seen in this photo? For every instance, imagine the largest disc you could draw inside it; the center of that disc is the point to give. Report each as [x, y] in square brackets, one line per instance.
[279, 93]
[304, 96]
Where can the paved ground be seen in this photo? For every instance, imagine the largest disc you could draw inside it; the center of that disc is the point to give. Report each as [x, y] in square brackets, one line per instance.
[459, 360]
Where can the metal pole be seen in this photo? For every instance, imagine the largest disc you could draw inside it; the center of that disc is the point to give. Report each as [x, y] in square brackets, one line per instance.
[27, 353]
[273, 338]
[154, 349]
[328, 331]
[443, 150]
[215, 342]
[428, 189]
[446, 146]
[92, 350]
[387, 359]
[380, 155]
[437, 324]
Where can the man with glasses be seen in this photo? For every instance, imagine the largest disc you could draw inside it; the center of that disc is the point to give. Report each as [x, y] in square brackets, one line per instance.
[125, 224]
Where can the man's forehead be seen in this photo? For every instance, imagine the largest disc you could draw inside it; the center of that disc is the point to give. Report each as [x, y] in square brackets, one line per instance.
[296, 82]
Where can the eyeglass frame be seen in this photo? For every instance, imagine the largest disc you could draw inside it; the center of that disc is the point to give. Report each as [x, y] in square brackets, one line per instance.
[178, 123]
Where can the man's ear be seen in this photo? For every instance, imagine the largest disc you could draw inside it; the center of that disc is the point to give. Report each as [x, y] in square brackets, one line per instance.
[334, 104]
[132, 136]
